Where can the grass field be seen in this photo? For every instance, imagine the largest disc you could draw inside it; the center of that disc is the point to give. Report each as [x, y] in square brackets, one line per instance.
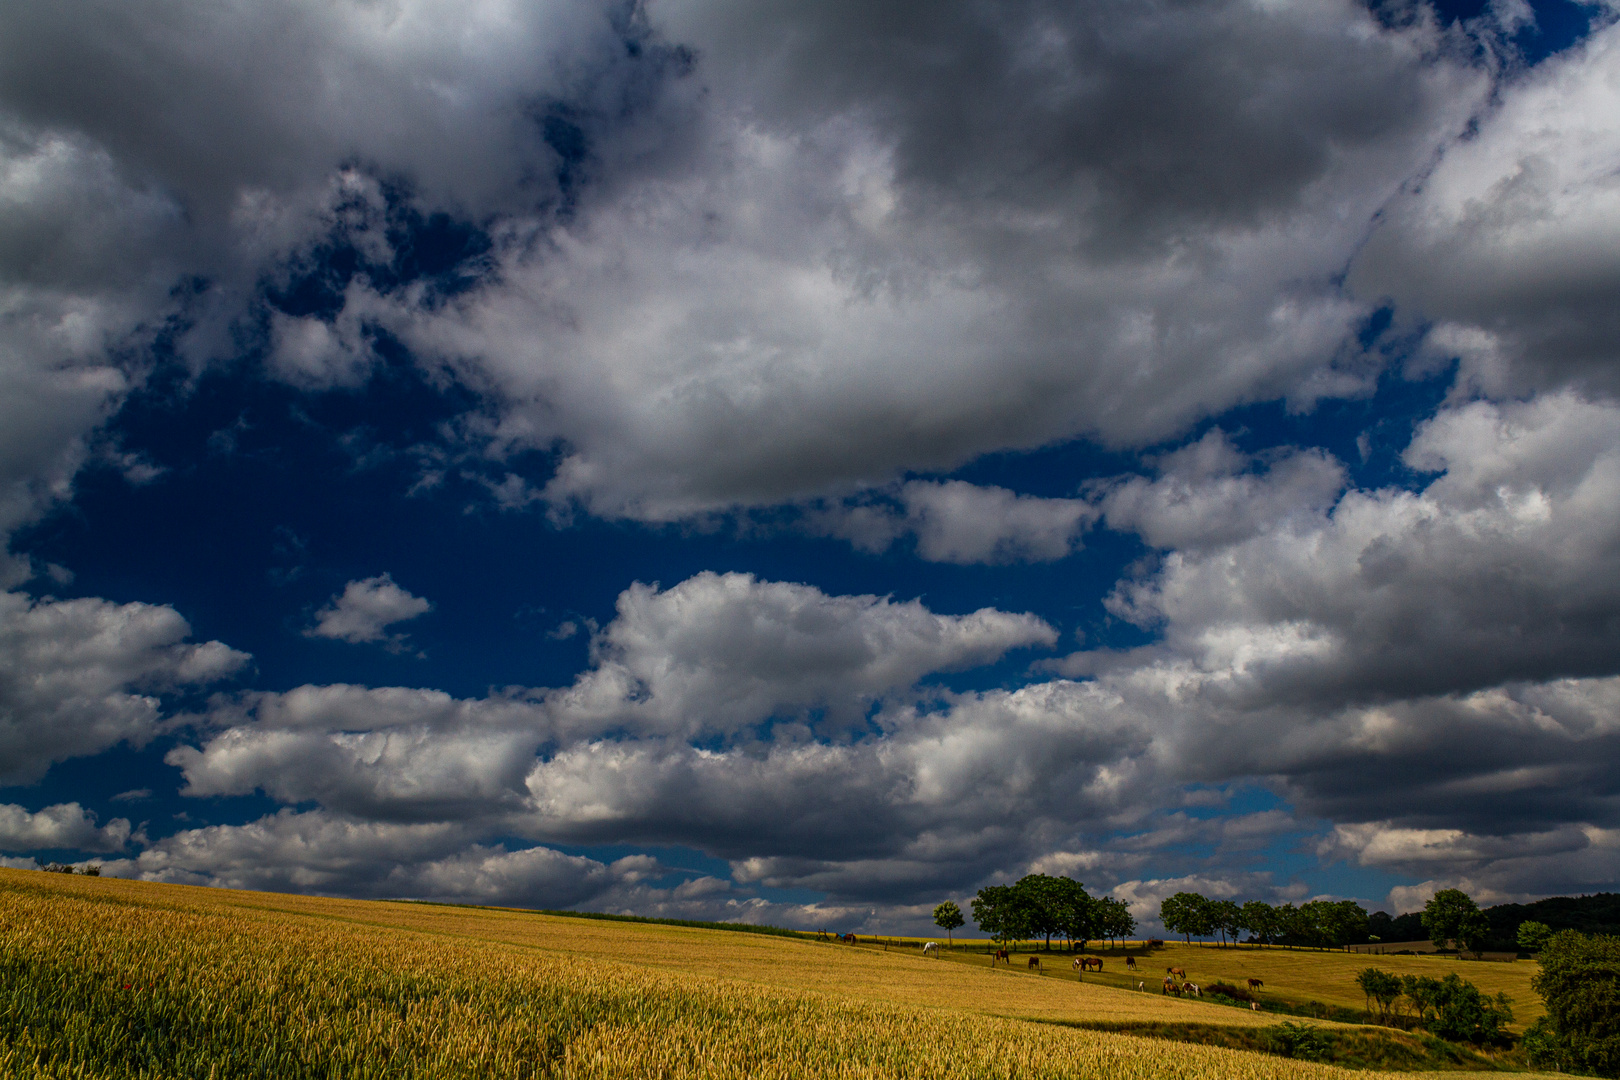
[1295, 977]
[110, 979]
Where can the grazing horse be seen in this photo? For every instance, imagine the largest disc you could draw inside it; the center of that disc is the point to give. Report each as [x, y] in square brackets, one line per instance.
[1001, 954]
[931, 947]
[851, 939]
[1191, 988]
[1180, 973]
[1086, 963]
[1034, 963]
[1130, 963]
[1255, 984]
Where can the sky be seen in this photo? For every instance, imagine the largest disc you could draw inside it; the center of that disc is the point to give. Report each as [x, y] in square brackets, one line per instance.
[800, 463]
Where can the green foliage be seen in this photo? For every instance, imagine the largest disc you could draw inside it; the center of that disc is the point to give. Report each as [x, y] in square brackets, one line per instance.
[1579, 981]
[948, 917]
[1533, 936]
[1188, 914]
[1038, 905]
[1113, 918]
[997, 915]
[1260, 919]
[1450, 916]
[1296, 1039]
[1381, 988]
[1453, 1008]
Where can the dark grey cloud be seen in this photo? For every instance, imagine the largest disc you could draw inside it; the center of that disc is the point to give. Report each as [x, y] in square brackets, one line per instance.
[1509, 244]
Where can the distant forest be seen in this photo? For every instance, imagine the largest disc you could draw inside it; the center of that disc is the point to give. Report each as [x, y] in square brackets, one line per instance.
[1595, 914]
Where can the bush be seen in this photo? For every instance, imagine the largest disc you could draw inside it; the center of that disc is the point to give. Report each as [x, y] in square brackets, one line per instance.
[1294, 1039]
[1236, 993]
[1580, 982]
[1453, 1008]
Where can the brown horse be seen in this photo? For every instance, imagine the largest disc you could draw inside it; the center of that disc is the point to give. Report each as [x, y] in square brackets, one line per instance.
[1130, 963]
[1255, 984]
[1086, 963]
[1034, 963]
[1180, 973]
[851, 939]
[1170, 986]
[1001, 954]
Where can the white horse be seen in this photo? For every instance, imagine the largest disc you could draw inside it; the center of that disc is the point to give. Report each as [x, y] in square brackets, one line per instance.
[931, 947]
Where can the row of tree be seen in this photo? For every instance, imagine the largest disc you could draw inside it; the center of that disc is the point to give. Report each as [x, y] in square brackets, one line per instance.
[1040, 906]
[1451, 1008]
[1319, 923]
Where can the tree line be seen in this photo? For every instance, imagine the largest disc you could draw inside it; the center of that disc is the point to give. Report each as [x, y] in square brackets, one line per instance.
[1319, 923]
[1450, 919]
[1043, 907]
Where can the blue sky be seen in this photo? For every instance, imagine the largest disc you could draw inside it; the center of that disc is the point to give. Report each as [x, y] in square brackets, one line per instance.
[736, 461]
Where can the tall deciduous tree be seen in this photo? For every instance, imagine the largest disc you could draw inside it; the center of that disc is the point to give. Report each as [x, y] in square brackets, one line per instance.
[1579, 980]
[1451, 916]
[948, 917]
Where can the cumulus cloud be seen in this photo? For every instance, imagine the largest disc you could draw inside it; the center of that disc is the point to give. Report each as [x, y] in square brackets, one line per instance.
[958, 522]
[720, 652]
[840, 280]
[80, 676]
[1509, 245]
[365, 610]
[65, 825]
[389, 753]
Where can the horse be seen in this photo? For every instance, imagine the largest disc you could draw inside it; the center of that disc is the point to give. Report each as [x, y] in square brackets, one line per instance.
[1255, 984]
[1192, 988]
[931, 947]
[1086, 963]
[1034, 963]
[1140, 985]
[1170, 986]
[1180, 973]
[1130, 963]
[1001, 954]
[851, 939]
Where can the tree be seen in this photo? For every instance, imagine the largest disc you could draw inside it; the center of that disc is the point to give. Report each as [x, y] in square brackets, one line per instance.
[1260, 919]
[1532, 936]
[948, 917]
[1183, 914]
[1114, 919]
[1579, 981]
[1453, 1008]
[1380, 987]
[1451, 916]
[1075, 911]
[1227, 917]
[1342, 922]
[1041, 898]
[996, 913]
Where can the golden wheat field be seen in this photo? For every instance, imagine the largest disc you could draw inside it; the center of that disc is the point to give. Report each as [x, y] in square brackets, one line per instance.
[110, 979]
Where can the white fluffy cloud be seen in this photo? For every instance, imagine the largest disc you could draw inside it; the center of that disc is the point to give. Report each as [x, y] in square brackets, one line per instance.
[79, 676]
[65, 825]
[720, 652]
[1511, 244]
[365, 610]
[823, 265]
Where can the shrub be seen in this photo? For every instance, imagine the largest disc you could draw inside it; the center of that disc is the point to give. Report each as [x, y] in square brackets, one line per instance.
[1236, 993]
[1294, 1039]
[1454, 1008]
[1580, 982]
